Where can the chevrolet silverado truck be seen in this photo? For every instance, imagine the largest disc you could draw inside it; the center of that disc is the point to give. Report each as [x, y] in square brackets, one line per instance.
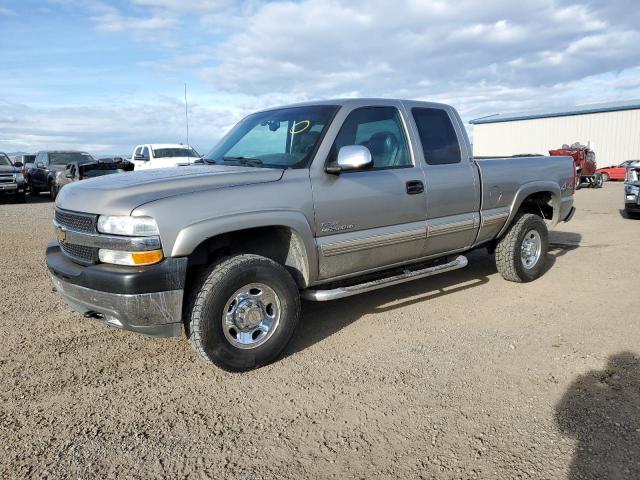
[317, 201]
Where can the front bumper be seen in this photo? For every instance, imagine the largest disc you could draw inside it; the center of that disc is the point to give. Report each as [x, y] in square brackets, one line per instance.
[11, 188]
[145, 300]
[632, 207]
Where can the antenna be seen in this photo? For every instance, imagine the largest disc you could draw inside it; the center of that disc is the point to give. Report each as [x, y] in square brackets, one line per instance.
[186, 112]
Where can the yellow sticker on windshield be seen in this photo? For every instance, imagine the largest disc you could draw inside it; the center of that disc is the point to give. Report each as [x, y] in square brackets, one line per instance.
[299, 127]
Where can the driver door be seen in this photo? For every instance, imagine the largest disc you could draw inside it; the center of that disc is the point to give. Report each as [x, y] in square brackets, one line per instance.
[373, 218]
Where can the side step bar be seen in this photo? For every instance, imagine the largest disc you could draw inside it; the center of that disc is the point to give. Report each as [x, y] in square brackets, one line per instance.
[406, 276]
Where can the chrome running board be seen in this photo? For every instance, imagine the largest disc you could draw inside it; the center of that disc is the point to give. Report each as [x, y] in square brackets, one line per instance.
[406, 276]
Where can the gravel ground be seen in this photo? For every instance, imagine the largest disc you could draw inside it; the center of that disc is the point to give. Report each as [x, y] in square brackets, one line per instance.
[463, 376]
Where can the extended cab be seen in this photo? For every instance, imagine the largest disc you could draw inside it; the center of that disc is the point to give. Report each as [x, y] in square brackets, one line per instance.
[316, 201]
[146, 157]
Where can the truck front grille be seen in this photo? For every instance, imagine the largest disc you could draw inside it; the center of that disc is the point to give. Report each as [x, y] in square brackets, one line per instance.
[6, 178]
[80, 253]
[80, 222]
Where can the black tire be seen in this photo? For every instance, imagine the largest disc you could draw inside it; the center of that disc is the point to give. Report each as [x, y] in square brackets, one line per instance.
[605, 177]
[598, 181]
[21, 198]
[210, 296]
[578, 183]
[509, 250]
[34, 191]
[53, 191]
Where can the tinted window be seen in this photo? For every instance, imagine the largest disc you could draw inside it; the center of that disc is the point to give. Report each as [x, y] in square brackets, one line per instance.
[145, 153]
[174, 152]
[380, 130]
[62, 158]
[437, 135]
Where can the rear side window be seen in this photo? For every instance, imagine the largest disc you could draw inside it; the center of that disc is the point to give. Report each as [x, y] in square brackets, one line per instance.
[437, 135]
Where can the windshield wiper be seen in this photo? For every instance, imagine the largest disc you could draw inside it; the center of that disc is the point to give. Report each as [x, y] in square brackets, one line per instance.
[250, 162]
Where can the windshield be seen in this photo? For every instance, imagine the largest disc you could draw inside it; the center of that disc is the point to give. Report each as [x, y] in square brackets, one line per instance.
[4, 161]
[175, 152]
[284, 138]
[62, 158]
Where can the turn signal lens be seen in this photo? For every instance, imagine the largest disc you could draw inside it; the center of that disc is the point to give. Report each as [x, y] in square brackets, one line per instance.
[146, 258]
[118, 257]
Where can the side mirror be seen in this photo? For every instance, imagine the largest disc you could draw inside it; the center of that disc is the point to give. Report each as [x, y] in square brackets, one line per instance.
[18, 164]
[40, 165]
[350, 158]
[69, 175]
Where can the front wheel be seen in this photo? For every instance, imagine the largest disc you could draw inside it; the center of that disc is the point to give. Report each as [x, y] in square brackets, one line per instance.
[243, 312]
[521, 255]
[53, 191]
[605, 177]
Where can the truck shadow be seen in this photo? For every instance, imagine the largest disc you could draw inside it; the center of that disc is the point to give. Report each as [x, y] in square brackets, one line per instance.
[601, 411]
[320, 320]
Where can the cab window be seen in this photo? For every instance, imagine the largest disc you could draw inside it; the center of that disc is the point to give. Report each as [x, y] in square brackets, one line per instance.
[440, 143]
[379, 129]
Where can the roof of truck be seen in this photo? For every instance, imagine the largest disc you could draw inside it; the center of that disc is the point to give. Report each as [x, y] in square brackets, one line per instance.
[358, 102]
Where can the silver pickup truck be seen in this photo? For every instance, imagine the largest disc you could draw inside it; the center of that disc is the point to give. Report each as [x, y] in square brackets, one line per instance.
[316, 201]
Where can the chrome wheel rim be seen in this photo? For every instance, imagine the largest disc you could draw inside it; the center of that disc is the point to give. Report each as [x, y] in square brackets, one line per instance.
[251, 316]
[531, 249]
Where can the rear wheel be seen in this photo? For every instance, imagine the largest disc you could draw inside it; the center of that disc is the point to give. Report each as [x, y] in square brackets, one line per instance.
[598, 181]
[243, 312]
[605, 177]
[521, 255]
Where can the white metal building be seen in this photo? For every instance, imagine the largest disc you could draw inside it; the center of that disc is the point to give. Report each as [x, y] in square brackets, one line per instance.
[611, 129]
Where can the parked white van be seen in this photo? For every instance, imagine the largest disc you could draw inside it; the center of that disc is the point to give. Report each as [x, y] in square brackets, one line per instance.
[163, 155]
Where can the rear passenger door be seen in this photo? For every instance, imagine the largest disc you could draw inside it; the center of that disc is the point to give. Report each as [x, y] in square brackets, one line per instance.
[452, 181]
[368, 219]
[39, 175]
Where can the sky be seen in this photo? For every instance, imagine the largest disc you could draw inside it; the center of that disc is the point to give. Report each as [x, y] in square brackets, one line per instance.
[104, 76]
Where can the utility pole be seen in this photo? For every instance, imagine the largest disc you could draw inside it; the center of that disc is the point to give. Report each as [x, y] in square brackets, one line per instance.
[186, 112]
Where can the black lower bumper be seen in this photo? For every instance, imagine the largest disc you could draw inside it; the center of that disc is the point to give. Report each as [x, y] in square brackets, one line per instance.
[146, 300]
[632, 207]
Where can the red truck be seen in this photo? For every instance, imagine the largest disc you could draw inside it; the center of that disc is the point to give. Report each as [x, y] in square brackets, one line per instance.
[585, 161]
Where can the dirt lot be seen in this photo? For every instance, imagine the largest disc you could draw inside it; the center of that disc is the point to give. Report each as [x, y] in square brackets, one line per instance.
[459, 376]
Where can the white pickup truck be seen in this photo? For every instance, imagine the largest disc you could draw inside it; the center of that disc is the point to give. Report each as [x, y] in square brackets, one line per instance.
[163, 155]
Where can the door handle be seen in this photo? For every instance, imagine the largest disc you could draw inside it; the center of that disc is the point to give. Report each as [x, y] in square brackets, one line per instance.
[414, 187]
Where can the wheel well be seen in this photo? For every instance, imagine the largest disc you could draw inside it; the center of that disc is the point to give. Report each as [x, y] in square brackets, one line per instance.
[539, 203]
[280, 244]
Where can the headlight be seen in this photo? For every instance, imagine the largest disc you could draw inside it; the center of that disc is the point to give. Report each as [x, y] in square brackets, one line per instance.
[19, 178]
[126, 225]
[118, 257]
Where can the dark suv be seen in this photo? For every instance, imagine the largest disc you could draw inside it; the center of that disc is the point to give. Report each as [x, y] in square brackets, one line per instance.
[11, 179]
[42, 174]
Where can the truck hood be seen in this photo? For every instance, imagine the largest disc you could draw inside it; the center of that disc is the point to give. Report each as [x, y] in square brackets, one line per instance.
[120, 194]
[5, 170]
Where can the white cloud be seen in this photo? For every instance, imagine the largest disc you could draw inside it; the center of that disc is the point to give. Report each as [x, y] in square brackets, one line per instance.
[483, 57]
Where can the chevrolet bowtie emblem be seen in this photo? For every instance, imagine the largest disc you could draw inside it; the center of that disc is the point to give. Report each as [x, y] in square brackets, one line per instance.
[61, 234]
